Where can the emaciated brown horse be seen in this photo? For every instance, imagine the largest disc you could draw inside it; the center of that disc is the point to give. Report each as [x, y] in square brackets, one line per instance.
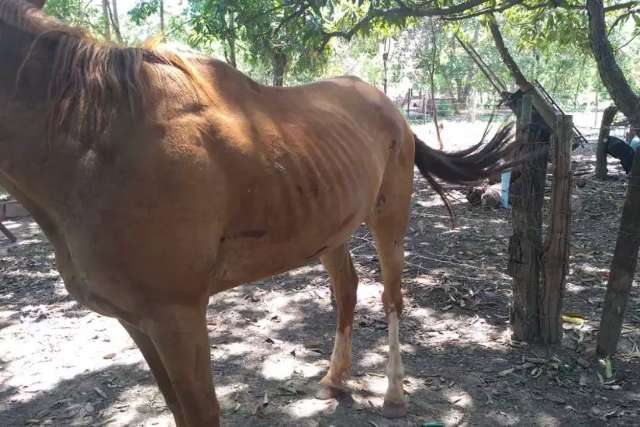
[162, 180]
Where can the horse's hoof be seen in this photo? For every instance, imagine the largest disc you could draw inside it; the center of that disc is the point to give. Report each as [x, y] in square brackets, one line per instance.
[326, 392]
[395, 409]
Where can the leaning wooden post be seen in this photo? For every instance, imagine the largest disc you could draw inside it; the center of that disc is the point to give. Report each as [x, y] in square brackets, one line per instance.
[12, 238]
[623, 267]
[525, 245]
[603, 137]
[556, 251]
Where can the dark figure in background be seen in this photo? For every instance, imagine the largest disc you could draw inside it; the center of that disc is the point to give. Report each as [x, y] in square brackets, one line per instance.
[622, 151]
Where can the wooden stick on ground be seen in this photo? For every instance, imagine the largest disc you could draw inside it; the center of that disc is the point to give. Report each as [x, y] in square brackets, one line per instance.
[8, 233]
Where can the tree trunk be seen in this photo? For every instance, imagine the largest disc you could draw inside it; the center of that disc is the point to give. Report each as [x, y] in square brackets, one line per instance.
[279, 62]
[463, 98]
[463, 95]
[435, 112]
[115, 20]
[161, 6]
[579, 84]
[625, 256]
[622, 268]
[556, 252]
[232, 41]
[232, 53]
[601, 150]
[385, 60]
[432, 72]
[425, 99]
[610, 74]
[106, 19]
[525, 245]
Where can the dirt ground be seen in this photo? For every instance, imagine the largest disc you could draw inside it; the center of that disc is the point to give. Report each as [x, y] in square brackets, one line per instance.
[63, 365]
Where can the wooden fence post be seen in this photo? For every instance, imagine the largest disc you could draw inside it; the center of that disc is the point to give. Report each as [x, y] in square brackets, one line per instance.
[525, 245]
[556, 251]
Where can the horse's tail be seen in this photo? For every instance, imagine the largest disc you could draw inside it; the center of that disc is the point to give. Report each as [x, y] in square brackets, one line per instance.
[466, 166]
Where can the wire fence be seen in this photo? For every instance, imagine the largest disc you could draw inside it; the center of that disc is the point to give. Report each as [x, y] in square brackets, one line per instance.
[586, 118]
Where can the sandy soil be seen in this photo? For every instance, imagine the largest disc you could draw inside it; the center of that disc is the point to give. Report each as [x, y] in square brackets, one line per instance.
[63, 365]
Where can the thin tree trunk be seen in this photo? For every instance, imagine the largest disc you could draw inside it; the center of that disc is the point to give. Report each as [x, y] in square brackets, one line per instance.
[232, 41]
[432, 72]
[579, 85]
[107, 19]
[232, 53]
[161, 6]
[112, 11]
[424, 108]
[385, 59]
[601, 149]
[279, 62]
[466, 89]
[625, 256]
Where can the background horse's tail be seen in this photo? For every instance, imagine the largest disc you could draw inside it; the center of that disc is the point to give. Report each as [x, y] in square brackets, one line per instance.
[466, 166]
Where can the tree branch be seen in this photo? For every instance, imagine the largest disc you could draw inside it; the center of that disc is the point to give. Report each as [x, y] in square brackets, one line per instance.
[508, 60]
[620, 18]
[429, 8]
[454, 12]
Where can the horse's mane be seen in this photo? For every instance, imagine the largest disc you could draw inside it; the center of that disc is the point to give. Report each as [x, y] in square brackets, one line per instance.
[90, 80]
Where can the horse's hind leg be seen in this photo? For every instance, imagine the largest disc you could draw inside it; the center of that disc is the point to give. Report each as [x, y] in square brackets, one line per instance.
[151, 355]
[388, 224]
[344, 282]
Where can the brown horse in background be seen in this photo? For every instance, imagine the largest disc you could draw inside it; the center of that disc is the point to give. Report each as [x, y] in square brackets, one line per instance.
[162, 180]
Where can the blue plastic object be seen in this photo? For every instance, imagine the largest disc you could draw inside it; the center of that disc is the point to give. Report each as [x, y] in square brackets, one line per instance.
[506, 181]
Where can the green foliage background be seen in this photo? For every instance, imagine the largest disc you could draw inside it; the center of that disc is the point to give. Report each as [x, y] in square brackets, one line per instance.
[549, 43]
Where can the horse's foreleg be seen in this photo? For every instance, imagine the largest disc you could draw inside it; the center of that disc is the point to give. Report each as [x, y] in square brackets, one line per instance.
[179, 334]
[344, 282]
[151, 355]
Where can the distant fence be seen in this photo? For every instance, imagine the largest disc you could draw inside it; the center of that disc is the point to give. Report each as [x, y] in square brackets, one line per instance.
[420, 109]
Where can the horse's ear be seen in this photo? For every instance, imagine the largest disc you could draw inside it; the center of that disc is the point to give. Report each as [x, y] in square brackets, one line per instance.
[37, 3]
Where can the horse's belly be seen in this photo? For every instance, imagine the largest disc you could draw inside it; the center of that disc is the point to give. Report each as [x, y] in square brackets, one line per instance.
[254, 255]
